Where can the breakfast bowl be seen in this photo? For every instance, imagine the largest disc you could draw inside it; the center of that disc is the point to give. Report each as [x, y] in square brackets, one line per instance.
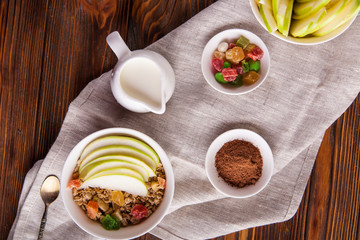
[309, 39]
[248, 139]
[128, 167]
[229, 37]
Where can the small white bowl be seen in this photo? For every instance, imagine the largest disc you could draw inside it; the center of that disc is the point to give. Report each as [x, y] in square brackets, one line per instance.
[95, 228]
[219, 183]
[302, 40]
[231, 35]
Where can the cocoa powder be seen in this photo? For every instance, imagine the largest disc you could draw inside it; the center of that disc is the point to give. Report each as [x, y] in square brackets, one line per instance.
[239, 163]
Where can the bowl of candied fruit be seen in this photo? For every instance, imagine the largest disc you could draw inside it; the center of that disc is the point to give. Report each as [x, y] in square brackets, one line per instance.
[235, 61]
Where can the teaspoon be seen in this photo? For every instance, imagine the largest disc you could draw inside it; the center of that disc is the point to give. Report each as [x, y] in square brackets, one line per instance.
[49, 192]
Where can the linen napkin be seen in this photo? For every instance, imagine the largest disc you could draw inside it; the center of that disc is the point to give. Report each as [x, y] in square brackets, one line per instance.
[307, 89]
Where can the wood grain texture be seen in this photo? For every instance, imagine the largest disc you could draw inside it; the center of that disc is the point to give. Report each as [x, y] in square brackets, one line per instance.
[50, 50]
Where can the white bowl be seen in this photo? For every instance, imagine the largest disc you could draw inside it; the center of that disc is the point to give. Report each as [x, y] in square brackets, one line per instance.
[219, 183]
[95, 228]
[231, 35]
[302, 40]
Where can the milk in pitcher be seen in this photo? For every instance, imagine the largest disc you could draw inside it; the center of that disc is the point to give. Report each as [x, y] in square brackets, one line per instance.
[140, 78]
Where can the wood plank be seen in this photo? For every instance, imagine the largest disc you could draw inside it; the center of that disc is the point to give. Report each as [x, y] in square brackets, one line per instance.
[22, 40]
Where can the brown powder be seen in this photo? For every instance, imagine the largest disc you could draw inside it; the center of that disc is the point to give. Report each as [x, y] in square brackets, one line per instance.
[239, 163]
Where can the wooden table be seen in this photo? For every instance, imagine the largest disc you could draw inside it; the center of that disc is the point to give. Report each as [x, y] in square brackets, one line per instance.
[50, 50]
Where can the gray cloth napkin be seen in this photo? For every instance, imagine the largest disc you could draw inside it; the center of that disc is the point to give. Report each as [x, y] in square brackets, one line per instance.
[307, 89]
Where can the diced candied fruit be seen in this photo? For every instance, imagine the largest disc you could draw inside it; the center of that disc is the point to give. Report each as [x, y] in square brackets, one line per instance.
[162, 182]
[229, 74]
[254, 65]
[217, 64]
[139, 211]
[227, 65]
[219, 55]
[92, 209]
[231, 45]
[249, 48]
[256, 54]
[219, 77]
[242, 42]
[239, 69]
[245, 66]
[250, 77]
[238, 81]
[74, 183]
[117, 197]
[229, 79]
[235, 55]
[223, 46]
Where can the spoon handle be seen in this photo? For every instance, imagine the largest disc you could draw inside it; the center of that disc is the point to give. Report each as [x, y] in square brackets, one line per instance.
[43, 222]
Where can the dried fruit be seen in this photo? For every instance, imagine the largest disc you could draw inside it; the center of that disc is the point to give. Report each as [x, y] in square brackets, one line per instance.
[217, 64]
[139, 211]
[256, 54]
[117, 197]
[223, 46]
[219, 55]
[235, 55]
[229, 74]
[250, 77]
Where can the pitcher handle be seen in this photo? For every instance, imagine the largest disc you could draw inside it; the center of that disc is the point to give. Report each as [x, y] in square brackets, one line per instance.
[117, 44]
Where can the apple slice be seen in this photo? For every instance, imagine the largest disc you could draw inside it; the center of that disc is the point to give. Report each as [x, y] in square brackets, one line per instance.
[266, 13]
[118, 182]
[287, 19]
[120, 140]
[113, 159]
[302, 1]
[118, 150]
[302, 10]
[333, 8]
[302, 27]
[348, 12]
[99, 166]
[118, 170]
[281, 12]
[275, 6]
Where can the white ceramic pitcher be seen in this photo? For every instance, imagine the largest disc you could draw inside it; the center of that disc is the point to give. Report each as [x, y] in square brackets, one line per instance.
[142, 80]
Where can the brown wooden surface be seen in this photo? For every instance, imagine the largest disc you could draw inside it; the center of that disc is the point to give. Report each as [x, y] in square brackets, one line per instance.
[50, 50]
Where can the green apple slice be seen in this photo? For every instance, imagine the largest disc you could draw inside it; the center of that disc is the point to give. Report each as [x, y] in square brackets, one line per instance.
[302, 10]
[119, 140]
[344, 15]
[118, 150]
[118, 182]
[268, 17]
[118, 170]
[99, 166]
[275, 6]
[303, 1]
[302, 27]
[287, 18]
[112, 161]
[333, 8]
[281, 12]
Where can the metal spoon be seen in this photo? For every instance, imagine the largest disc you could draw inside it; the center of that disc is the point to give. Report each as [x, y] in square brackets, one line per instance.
[49, 192]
